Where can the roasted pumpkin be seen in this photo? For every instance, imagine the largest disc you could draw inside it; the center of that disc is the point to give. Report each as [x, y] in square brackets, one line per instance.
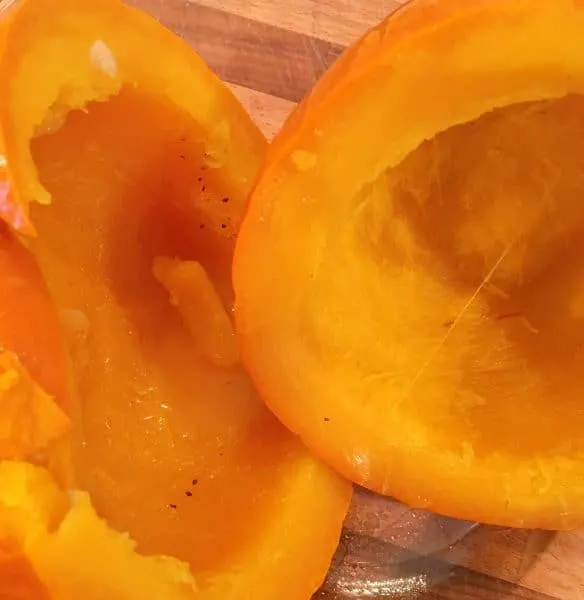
[124, 409]
[408, 275]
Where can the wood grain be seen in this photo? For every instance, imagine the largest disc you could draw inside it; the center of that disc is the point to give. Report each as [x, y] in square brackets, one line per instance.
[379, 569]
[338, 21]
[248, 53]
[271, 52]
[269, 112]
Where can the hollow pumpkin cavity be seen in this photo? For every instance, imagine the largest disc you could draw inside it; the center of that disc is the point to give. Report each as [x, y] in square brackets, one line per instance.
[478, 236]
[173, 441]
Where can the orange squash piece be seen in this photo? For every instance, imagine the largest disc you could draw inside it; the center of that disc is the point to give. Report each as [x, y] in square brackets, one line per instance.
[196, 299]
[408, 274]
[127, 164]
[61, 548]
[29, 418]
[29, 327]
[34, 391]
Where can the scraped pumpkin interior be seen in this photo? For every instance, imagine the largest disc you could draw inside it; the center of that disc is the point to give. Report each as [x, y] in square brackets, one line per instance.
[173, 445]
[481, 228]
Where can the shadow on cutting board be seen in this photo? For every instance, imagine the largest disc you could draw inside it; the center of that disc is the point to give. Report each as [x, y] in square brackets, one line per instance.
[389, 551]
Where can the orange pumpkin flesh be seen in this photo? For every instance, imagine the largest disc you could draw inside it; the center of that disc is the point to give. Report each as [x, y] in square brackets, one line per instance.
[18, 577]
[29, 326]
[133, 175]
[34, 391]
[418, 224]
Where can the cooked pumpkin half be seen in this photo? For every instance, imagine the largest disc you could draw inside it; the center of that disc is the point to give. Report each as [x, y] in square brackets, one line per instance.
[409, 276]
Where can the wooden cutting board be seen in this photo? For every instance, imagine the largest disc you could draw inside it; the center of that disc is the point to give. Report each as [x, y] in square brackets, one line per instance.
[271, 52]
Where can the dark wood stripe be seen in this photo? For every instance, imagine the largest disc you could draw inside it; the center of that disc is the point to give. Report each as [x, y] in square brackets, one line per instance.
[261, 57]
[367, 567]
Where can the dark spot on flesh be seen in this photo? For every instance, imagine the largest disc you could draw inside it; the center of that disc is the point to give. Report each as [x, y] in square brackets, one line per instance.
[510, 315]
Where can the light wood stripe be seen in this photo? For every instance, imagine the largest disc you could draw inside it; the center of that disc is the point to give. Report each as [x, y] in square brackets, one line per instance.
[337, 21]
[269, 112]
[561, 567]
